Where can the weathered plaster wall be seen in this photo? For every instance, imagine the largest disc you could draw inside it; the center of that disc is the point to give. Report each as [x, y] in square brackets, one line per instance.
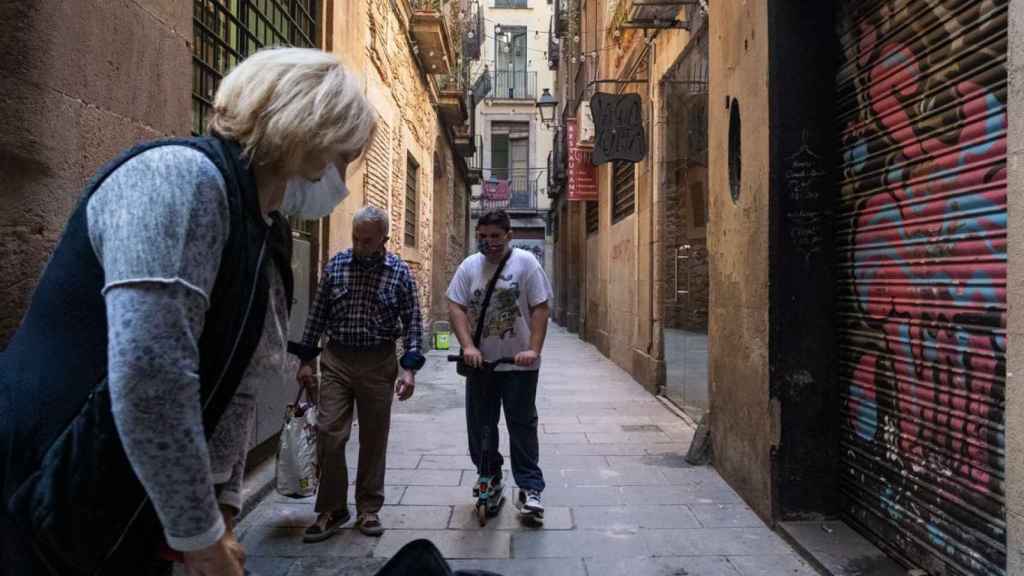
[742, 418]
[1015, 297]
[79, 82]
[621, 290]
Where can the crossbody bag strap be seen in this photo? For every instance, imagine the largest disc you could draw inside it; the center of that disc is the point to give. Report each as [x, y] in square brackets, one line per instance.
[487, 298]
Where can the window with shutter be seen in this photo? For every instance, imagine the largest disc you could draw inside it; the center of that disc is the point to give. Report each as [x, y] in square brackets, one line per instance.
[378, 168]
[592, 218]
[411, 205]
[623, 190]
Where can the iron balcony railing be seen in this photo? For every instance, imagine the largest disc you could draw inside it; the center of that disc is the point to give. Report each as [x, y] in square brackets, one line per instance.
[517, 85]
[453, 81]
[553, 55]
[510, 3]
[522, 195]
[475, 163]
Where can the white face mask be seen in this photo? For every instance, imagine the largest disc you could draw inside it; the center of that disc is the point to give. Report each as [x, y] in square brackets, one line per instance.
[311, 200]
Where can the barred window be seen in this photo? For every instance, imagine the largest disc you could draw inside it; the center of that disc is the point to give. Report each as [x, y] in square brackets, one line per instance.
[225, 32]
[623, 192]
[593, 223]
[411, 208]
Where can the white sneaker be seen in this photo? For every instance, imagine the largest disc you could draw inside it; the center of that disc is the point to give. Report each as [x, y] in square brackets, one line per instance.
[529, 503]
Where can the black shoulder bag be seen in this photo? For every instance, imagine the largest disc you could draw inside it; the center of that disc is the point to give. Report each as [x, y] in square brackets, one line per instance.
[461, 367]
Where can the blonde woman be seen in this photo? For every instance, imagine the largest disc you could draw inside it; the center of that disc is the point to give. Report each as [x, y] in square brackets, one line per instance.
[126, 396]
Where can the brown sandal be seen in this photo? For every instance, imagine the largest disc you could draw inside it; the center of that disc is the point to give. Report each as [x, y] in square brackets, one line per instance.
[369, 524]
[326, 525]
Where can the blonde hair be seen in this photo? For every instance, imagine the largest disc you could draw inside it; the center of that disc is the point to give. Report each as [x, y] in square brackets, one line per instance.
[283, 104]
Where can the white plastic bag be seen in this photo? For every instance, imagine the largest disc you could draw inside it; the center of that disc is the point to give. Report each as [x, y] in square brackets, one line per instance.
[297, 472]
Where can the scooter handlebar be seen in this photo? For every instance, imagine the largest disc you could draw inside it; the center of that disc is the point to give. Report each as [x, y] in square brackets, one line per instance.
[506, 360]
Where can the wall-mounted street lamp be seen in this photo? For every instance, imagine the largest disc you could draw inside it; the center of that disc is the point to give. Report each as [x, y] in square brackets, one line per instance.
[547, 105]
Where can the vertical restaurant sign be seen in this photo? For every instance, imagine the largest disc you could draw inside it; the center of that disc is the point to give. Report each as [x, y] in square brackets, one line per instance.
[582, 183]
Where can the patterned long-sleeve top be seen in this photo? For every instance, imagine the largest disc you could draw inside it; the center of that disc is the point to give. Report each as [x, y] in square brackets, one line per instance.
[366, 306]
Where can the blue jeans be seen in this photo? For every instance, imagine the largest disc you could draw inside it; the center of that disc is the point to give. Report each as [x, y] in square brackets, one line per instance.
[485, 395]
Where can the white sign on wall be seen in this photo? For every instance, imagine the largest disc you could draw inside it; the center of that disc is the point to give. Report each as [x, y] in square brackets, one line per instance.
[586, 124]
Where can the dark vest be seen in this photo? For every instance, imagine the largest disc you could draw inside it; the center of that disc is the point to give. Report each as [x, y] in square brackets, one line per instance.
[67, 483]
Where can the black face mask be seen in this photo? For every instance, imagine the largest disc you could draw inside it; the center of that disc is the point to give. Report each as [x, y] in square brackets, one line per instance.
[484, 247]
[371, 261]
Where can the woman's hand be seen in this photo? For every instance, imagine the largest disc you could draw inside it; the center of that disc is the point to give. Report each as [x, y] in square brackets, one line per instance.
[225, 557]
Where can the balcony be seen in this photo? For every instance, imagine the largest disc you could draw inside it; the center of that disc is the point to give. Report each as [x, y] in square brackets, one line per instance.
[451, 99]
[472, 27]
[517, 194]
[561, 10]
[429, 27]
[520, 4]
[464, 142]
[553, 44]
[514, 85]
[474, 160]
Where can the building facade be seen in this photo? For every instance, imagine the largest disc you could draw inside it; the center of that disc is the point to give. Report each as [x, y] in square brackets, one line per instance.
[838, 232]
[85, 80]
[512, 73]
[631, 267]
[410, 55]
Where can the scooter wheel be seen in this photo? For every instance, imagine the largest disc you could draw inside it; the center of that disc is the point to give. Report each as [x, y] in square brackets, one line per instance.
[481, 514]
[494, 509]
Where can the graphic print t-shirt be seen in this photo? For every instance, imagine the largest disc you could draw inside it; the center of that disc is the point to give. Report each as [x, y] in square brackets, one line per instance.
[522, 284]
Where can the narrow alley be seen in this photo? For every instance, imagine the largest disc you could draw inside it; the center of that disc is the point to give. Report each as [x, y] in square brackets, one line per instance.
[620, 498]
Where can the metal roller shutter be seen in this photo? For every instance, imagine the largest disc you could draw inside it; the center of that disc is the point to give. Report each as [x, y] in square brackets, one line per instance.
[921, 231]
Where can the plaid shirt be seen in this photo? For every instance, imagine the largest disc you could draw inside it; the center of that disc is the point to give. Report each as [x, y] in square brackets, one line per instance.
[365, 307]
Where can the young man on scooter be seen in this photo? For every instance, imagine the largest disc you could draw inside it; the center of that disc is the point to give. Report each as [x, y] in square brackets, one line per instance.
[514, 326]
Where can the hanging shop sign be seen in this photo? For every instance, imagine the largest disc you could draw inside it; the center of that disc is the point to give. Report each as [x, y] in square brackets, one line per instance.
[582, 183]
[619, 122]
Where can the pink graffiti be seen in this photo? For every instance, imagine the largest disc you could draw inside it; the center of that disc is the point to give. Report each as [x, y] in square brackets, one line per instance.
[930, 249]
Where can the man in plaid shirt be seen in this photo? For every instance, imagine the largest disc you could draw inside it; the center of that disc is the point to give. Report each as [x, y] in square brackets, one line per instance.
[367, 299]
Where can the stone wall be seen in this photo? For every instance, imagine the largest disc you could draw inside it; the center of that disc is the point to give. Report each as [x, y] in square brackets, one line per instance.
[399, 90]
[80, 81]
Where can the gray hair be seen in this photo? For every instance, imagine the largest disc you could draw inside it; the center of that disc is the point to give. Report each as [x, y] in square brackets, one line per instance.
[371, 214]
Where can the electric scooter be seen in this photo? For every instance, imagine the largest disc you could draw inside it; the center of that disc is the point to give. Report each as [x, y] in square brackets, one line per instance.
[488, 500]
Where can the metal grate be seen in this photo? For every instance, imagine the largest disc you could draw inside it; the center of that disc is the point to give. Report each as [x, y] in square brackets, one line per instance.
[593, 222]
[411, 207]
[920, 224]
[623, 193]
[226, 31]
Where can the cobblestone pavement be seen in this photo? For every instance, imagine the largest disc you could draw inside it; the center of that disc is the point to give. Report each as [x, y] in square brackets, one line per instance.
[620, 497]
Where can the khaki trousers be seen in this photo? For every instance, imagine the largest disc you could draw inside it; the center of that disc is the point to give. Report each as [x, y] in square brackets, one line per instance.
[364, 380]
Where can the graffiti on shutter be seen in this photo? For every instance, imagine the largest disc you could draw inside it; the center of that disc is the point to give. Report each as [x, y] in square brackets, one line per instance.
[921, 240]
